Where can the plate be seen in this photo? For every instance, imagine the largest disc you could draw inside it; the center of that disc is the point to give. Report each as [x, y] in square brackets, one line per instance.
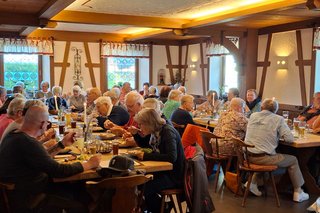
[122, 143]
[97, 129]
[106, 136]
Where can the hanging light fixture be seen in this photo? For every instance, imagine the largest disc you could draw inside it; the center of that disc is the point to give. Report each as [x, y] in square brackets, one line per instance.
[217, 49]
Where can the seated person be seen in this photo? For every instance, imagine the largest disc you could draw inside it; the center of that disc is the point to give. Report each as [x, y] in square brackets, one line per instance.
[25, 163]
[152, 92]
[116, 114]
[92, 94]
[213, 104]
[76, 100]
[166, 146]
[233, 93]
[114, 94]
[182, 89]
[232, 123]
[253, 102]
[164, 93]
[172, 103]
[264, 130]
[145, 91]
[44, 93]
[56, 102]
[311, 113]
[14, 112]
[3, 95]
[182, 115]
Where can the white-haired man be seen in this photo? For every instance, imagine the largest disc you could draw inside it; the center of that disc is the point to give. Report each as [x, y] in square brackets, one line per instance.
[264, 130]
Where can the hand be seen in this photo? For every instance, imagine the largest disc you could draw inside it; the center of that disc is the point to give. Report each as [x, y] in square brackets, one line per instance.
[130, 142]
[126, 135]
[139, 154]
[94, 161]
[47, 135]
[108, 124]
[68, 139]
[49, 143]
[133, 130]
[119, 131]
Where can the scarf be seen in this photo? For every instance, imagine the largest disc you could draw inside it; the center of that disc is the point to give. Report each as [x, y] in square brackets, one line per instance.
[252, 104]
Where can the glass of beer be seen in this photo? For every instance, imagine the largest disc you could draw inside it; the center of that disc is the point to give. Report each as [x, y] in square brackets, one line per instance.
[61, 127]
[115, 147]
[302, 129]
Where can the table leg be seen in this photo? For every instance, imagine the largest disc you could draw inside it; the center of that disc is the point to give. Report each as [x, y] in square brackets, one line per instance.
[304, 155]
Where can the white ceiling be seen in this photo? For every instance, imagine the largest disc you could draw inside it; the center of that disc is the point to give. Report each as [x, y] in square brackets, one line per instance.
[88, 27]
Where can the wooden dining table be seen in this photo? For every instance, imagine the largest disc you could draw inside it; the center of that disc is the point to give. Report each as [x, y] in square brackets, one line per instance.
[206, 121]
[149, 166]
[304, 149]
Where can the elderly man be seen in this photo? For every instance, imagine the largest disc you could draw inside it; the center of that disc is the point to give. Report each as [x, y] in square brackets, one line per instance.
[232, 123]
[107, 111]
[56, 102]
[25, 163]
[114, 94]
[92, 95]
[125, 89]
[233, 93]
[264, 130]
[311, 113]
[212, 104]
[44, 93]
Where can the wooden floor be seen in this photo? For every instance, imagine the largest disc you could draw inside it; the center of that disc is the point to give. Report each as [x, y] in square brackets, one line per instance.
[226, 202]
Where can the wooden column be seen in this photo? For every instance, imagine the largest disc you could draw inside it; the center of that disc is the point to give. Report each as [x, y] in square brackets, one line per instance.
[103, 77]
[1, 70]
[300, 64]
[89, 64]
[313, 69]
[40, 71]
[52, 83]
[170, 64]
[64, 64]
[185, 63]
[137, 70]
[151, 64]
[202, 66]
[265, 64]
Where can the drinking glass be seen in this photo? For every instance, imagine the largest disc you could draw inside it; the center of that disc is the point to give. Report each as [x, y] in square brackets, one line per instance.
[302, 129]
[285, 114]
[115, 147]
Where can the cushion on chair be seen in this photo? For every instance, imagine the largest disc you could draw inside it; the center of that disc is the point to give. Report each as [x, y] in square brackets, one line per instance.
[258, 168]
[192, 135]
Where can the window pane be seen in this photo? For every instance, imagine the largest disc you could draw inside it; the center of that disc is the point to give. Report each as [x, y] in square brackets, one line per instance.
[121, 70]
[231, 74]
[21, 68]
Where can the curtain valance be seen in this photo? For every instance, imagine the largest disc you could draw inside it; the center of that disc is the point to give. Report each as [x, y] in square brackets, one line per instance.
[216, 50]
[26, 46]
[112, 49]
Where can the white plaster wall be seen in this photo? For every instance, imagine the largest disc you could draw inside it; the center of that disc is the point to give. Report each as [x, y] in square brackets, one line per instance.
[284, 84]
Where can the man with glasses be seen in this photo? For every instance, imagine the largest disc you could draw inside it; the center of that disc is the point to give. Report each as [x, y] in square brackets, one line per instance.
[25, 163]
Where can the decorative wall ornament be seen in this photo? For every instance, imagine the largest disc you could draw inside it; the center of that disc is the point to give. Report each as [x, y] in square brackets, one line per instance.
[113, 49]
[316, 40]
[161, 76]
[26, 46]
[77, 64]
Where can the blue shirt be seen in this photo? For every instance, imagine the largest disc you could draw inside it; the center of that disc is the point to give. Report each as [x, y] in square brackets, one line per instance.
[264, 131]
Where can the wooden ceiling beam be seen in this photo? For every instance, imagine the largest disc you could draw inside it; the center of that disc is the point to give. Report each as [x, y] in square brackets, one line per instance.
[77, 36]
[239, 13]
[53, 7]
[146, 35]
[19, 19]
[105, 19]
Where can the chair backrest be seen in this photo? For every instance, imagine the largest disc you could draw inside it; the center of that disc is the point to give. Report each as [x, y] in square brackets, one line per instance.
[179, 127]
[209, 143]
[192, 135]
[5, 187]
[125, 191]
[241, 149]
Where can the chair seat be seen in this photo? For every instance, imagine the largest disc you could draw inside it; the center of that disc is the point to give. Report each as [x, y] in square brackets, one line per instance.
[172, 191]
[258, 168]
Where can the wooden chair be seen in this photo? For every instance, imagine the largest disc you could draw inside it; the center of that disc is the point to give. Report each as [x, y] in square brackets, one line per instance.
[179, 127]
[5, 187]
[244, 165]
[214, 155]
[125, 198]
[169, 193]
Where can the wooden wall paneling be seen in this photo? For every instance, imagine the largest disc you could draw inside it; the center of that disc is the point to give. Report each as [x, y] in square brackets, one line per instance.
[185, 63]
[103, 76]
[170, 64]
[40, 70]
[202, 70]
[64, 64]
[1, 70]
[180, 60]
[137, 68]
[151, 64]
[301, 69]
[51, 58]
[266, 63]
[89, 64]
[313, 69]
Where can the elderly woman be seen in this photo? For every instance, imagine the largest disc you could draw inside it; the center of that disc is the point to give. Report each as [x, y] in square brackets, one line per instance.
[172, 103]
[253, 102]
[14, 112]
[44, 93]
[107, 111]
[232, 123]
[56, 102]
[152, 92]
[166, 146]
[212, 104]
[311, 113]
[182, 115]
[77, 100]
[233, 93]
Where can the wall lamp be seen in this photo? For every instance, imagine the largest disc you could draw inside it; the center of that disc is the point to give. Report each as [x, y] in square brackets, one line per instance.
[282, 62]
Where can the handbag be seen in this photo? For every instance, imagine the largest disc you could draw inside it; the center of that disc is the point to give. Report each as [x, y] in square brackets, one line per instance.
[232, 182]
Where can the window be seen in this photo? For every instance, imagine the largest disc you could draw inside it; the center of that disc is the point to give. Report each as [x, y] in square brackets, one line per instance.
[21, 67]
[230, 73]
[121, 70]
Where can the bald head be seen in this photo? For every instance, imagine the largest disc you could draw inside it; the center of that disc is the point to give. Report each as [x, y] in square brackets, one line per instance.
[35, 120]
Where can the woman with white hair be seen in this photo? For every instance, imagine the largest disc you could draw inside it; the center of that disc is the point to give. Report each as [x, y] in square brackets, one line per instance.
[77, 99]
[172, 103]
[107, 111]
[56, 102]
[153, 92]
[166, 146]
[14, 112]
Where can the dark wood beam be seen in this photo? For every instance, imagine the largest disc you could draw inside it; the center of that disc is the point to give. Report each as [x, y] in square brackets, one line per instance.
[265, 66]
[290, 26]
[301, 69]
[53, 7]
[19, 19]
